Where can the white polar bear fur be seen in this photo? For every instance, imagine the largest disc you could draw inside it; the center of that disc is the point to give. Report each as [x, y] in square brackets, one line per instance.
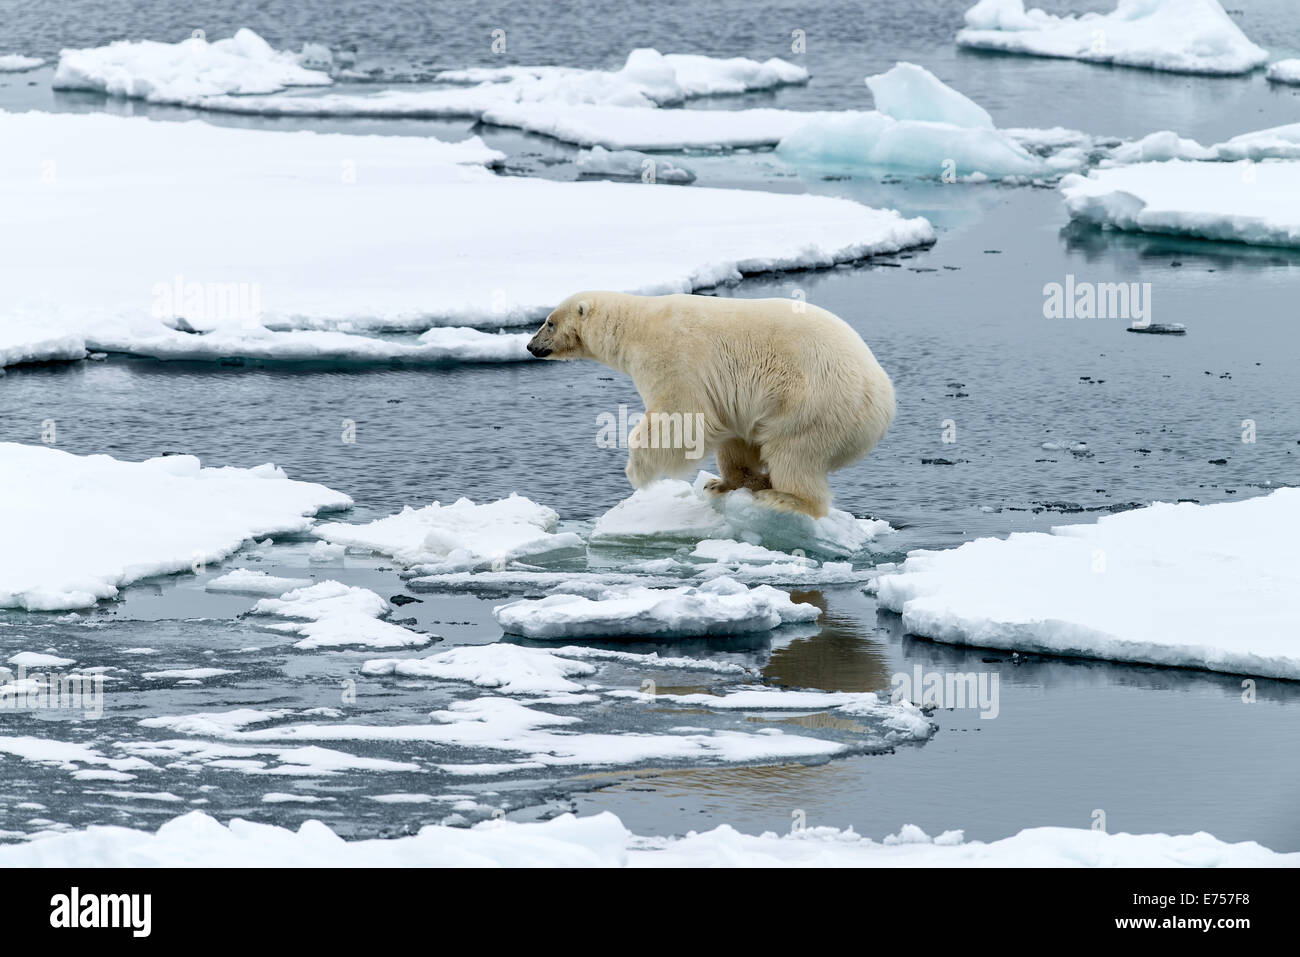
[787, 392]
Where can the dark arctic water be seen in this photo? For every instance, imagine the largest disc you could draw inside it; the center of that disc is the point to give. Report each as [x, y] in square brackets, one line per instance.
[960, 328]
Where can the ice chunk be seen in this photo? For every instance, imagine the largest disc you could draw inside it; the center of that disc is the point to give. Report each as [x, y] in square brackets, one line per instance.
[910, 92]
[244, 581]
[396, 271]
[719, 607]
[1183, 36]
[460, 536]
[35, 659]
[16, 63]
[671, 511]
[337, 615]
[921, 125]
[32, 341]
[199, 840]
[181, 72]
[1285, 71]
[1147, 585]
[78, 527]
[510, 669]
[629, 164]
[1243, 202]
[186, 674]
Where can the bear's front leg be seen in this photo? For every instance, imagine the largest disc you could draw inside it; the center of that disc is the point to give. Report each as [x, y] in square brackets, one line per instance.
[655, 452]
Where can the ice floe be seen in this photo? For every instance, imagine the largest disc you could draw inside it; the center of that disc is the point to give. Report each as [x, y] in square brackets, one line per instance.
[1245, 202]
[721, 606]
[79, 527]
[919, 124]
[1277, 142]
[186, 71]
[507, 668]
[1284, 71]
[197, 839]
[1183, 36]
[1148, 585]
[458, 537]
[434, 239]
[331, 614]
[17, 63]
[672, 511]
[629, 164]
[244, 581]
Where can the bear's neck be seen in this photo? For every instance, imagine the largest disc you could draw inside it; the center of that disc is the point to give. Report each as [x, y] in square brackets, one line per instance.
[620, 335]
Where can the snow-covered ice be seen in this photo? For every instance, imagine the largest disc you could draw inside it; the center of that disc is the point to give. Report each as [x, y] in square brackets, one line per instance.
[1276, 142]
[721, 606]
[197, 839]
[331, 614]
[79, 527]
[186, 71]
[1285, 71]
[671, 511]
[1182, 36]
[433, 238]
[629, 164]
[1245, 202]
[509, 669]
[245, 581]
[1200, 586]
[16, 63]
[458, 537]
[919, 124]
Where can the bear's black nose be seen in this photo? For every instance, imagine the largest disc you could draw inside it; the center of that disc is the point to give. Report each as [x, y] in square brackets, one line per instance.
[540, 351]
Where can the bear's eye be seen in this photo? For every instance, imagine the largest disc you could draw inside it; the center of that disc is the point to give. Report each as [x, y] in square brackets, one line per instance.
[550, 323]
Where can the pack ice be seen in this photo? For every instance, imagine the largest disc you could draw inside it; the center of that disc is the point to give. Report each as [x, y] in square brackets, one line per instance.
[1182, 36]
[433, 239]
[1245, 201]
[718, 607]
[1201, 586]
[79, 527]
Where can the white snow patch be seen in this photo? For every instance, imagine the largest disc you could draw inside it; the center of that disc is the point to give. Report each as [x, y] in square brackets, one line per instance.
[507, 668]
[16, 63]
[331, 614]
[244, 581]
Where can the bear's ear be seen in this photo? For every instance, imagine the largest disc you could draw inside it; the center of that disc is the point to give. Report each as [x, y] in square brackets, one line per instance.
[583, 308]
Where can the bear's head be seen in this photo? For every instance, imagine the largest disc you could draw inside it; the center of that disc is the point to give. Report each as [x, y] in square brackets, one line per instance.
[561, 334]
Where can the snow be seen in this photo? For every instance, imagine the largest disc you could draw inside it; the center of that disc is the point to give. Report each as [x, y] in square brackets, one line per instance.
[457, 537]
[331, 614]
[1284, 71]
[433, 238]
[182, 72]
[920, 124]
[1277, 142]
[1148, 585]
[1246, 202]
[1182, 36]
[721, 606]
[16, 63]
[446, 345]
[79, 527]
[197, 839]
[671, 511]
[187, 674]
[629, 164]
[244, 581]
[29, 341]
[507, 668]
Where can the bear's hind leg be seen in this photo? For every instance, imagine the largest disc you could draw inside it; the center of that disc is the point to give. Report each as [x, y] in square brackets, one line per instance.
[741, 466]
[799, 482]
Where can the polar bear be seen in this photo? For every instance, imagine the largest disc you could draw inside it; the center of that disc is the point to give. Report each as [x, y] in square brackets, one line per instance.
[783, 392]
